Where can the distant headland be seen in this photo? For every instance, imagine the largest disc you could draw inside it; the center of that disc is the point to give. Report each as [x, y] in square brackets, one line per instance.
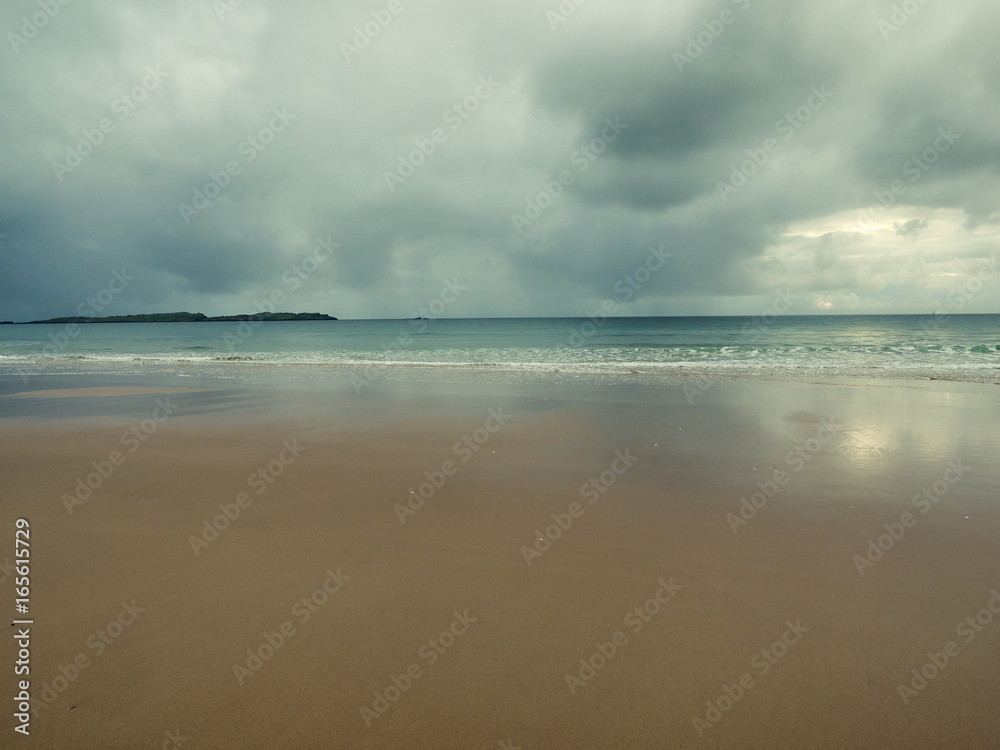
[183, 317]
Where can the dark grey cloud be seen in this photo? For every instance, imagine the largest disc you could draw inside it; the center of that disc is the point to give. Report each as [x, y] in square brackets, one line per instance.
[910, 228]
[254, 118]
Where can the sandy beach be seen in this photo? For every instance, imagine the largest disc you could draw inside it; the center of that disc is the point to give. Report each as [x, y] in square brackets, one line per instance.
[546, 566]
[568, 375]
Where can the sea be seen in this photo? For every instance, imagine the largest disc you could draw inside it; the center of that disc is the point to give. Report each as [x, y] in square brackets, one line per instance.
[952, 347]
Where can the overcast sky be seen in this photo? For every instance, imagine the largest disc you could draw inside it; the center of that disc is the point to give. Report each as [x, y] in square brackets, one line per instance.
[745, 137]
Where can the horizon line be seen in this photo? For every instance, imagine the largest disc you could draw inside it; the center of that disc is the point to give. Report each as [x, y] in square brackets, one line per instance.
[77, 318]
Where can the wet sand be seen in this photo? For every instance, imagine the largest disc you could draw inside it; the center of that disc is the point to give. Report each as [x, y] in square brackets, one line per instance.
[375, 617]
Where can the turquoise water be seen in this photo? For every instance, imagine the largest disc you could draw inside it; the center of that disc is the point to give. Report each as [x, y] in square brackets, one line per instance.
[961, 347]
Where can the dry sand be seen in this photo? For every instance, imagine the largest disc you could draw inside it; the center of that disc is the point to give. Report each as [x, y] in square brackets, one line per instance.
[501, 681]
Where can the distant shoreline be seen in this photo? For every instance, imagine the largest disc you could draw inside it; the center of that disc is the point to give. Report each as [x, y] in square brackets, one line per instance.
[180, 317]
[199, 317]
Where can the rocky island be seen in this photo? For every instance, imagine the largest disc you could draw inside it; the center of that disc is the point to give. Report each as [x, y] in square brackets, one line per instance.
[186, 317]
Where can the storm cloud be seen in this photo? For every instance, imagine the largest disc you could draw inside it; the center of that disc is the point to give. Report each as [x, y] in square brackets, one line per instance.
[847, 152]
